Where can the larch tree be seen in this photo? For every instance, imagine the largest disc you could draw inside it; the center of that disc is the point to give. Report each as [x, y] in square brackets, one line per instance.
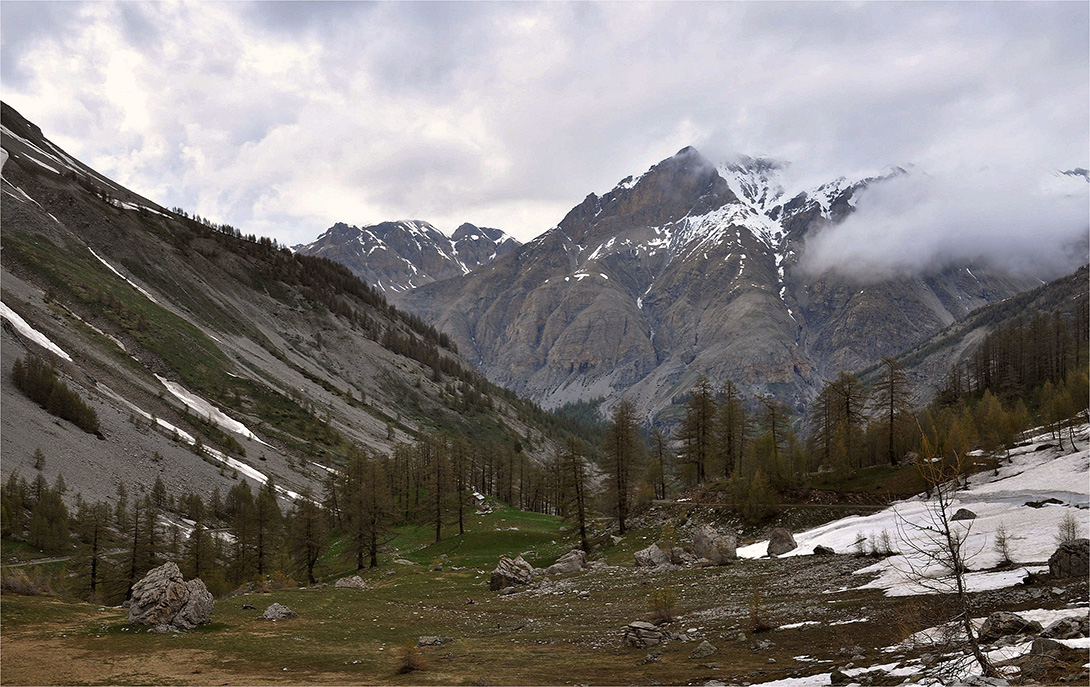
[892, 398]
[622, 454]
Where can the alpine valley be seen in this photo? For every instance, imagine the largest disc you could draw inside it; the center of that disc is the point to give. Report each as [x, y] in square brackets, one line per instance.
[692, 269]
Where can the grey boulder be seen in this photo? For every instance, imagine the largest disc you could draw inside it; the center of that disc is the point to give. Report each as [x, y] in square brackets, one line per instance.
[716, 547]
[511, 572]
[163, 597]
[780, 542]
[572, 561]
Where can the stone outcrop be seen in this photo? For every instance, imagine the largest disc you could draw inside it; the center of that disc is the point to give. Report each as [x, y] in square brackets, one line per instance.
[1071, 559]
[1072, 627]
[352, 582]
[641, 634]
[1003, 623]
[780, 542]
[278, 612]
[652, 557]
[511, 572]
[572, 561]
[164, 598]
[714, 546]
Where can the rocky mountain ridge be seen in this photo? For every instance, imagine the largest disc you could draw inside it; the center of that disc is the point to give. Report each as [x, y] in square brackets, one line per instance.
[208, 356]
[395, 257]
[691, 269]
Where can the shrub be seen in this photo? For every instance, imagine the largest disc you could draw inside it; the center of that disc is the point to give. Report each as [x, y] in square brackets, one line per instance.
[663, 605]
[409, 659]
[28, 582]
[1068, 530]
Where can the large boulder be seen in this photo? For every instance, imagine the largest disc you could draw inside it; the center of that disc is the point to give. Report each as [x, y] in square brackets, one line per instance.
[1072, 559]
[1003, 623]
[198, 607]
[511, 572]
[572, 561]
[641, 634]
[164, 598]
[780, 542]
[716, 547]
[651, 557]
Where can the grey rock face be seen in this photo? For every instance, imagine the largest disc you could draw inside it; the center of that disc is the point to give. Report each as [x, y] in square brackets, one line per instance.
[1003, 623]
[780, 542]
[651, 557]
[574, 560]
[278, 612]
[351, 582]
[162, 597]
[511, 572]
[714, 546]
[198, 607]
[1071, 559]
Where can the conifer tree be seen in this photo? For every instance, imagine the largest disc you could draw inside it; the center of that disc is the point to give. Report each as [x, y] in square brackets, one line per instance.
[48, 527]
[892, 397]
[622, 454]
[307, 532]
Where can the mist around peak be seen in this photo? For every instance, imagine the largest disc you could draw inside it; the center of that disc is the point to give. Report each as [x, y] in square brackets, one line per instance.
[1033, 224]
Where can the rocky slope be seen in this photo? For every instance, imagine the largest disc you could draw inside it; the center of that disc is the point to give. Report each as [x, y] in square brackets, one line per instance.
[208, 356]
[928, 363]
[690, 269]
[397, 256]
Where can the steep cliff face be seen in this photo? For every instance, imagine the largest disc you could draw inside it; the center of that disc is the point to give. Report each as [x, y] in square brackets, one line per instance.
[395, 257]
[690, 269]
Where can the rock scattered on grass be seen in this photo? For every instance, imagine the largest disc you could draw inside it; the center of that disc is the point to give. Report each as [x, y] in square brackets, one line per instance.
[511, 572]
[353, 582]
[278, 612]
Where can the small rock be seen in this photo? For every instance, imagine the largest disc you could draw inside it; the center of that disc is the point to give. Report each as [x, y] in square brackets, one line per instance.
[780, 542]
[652, 657]
[820, 550]
[402, 561]
[963, 514]
[433, 641]
[641, 634]
[278, 612]
[574, 560]
[771, 660]
[651, 557]
[703, 650]
[353, 582]
[839, 678]
[249, 607]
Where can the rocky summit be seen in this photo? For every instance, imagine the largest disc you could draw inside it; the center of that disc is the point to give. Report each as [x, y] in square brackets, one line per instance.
[395, 257]
[691, 269]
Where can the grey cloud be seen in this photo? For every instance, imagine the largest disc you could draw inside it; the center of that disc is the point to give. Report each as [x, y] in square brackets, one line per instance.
[290, 116]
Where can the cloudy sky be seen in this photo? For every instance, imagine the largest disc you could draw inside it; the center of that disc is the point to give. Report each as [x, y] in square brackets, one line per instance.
[282, 118]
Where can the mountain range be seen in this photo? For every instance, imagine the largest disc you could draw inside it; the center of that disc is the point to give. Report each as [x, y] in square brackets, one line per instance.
[691, 269]
[395, 257]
